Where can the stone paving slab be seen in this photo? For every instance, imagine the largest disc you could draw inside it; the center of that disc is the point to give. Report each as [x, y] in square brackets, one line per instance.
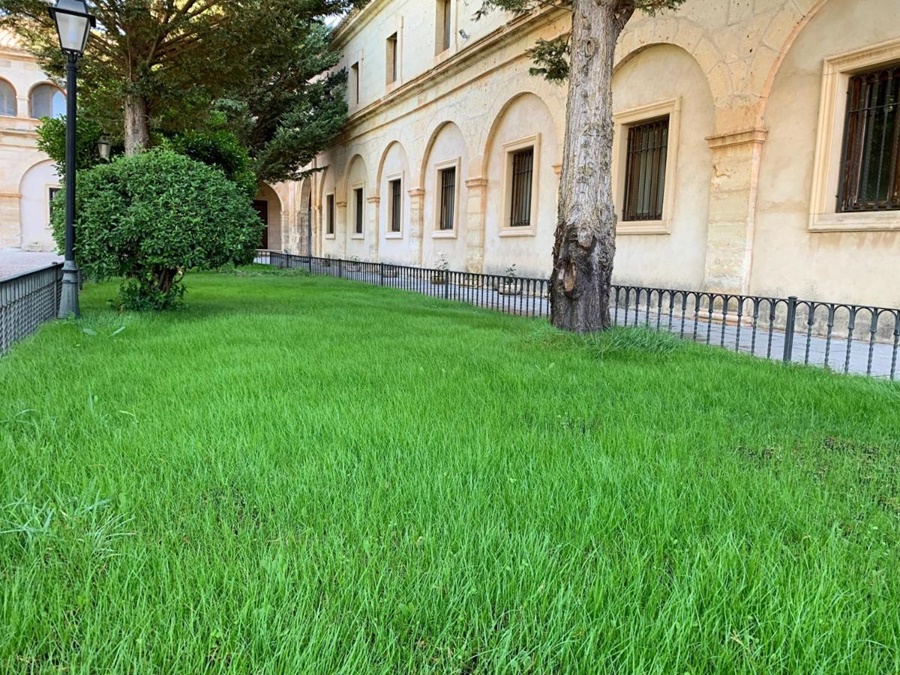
[13, 262]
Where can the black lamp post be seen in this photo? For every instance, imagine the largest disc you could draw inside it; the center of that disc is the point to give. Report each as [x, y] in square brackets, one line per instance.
[73, 24]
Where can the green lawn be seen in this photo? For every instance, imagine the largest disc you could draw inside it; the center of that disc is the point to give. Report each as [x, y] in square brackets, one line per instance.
[309, 475]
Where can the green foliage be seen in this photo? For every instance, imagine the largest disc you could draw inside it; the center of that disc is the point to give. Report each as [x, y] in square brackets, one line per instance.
[176, 60]
[220, 149]
[283, 109]
[149, 217]
[52, 141]
[551, 57]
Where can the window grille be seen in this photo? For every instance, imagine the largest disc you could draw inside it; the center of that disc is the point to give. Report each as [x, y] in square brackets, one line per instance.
[396, 205]
[329, 215]
[522, 174]
[358, 194]
[645, 170]
[870, 167]
[448, 198]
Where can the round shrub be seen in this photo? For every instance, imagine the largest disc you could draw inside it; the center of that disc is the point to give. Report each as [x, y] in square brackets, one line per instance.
[150, 217]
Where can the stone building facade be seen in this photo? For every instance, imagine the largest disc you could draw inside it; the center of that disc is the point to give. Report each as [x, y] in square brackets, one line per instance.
[27, 176]
[738, 164]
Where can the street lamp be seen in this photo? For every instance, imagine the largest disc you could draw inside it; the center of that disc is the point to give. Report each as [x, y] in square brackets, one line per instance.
[103, 149]
[73, 24]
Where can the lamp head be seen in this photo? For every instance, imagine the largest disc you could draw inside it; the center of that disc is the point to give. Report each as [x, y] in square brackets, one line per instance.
[73, 25]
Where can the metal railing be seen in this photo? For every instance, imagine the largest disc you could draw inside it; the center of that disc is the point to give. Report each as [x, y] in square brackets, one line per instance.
[26, 301]
[843, 337]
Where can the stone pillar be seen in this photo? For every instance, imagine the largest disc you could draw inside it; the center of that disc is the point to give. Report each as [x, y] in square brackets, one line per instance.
[375, 237]
[340, 218]
[10, 228]
[475, 224]
[732, 210]
[416, 224]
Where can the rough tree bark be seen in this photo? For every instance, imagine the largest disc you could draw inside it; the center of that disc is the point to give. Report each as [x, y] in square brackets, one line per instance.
[585, 242]
[137, 126]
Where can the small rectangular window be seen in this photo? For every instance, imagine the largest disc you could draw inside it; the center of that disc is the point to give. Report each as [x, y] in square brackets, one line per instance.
[396, 204]
[645, 170]
[522, 175]
[353, 84]
[360, 209]
[391, 59]
[329, 214]
[444, 26]
[870, 170]
[448, 198]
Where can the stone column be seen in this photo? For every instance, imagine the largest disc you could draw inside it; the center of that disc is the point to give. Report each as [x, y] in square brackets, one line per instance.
[732, 210]
[475, 224]
[416, 224]
[10, 227]
[340, 218]
[375, 238]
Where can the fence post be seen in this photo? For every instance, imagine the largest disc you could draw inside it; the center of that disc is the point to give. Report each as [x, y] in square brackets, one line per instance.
[340, 268]
[789, 329]
[381, 272]
[309, 260]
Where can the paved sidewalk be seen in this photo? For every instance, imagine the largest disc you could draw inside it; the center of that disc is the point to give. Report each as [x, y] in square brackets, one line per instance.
[14, 262]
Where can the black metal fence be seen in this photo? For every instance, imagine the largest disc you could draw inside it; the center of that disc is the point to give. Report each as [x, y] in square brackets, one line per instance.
[843, 337]
[27, 301]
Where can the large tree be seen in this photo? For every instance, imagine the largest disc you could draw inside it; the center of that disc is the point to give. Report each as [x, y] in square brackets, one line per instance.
[159, 64]
[585, 240]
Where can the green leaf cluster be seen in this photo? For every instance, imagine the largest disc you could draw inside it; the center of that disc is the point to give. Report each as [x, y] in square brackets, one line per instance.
[551, 57]
[150, 217]
[52, 141]
[175, 62]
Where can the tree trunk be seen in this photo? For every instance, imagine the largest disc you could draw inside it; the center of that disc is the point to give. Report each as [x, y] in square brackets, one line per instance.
[137, 128]
[585, 243]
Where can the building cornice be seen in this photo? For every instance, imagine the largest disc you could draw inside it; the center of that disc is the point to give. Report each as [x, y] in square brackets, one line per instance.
[471, 54]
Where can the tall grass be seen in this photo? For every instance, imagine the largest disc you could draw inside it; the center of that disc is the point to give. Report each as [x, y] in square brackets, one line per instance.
[307, 475]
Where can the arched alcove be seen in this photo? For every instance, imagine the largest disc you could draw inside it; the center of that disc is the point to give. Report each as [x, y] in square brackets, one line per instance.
[268, 206]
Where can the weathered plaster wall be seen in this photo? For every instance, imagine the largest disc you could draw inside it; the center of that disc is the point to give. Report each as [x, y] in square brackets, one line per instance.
[861, 267]
[678, 258]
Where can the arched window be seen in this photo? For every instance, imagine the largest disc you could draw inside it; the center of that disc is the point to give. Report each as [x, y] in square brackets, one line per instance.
[7, 99]
[47, 101]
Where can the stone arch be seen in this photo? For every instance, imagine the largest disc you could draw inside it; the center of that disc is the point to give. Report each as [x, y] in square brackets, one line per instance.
[379, 175]
[788, 28]
[268, 205]
[305, 218]
[497, 120]
[358, 214]
[8, 100]
[446, 149]
[393, 165]
[524, 122]
[426, 153]
[680, 91]
[38, 85]
[680, 32]
[34, 206]
[357, 171]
